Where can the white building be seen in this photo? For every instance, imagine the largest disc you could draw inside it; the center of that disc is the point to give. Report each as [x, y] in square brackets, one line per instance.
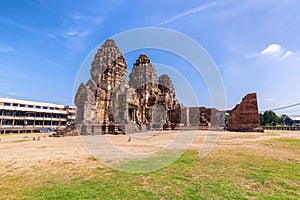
[20, 116]
[295, 118]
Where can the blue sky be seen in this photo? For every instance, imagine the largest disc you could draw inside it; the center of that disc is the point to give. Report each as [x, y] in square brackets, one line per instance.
[255, 45]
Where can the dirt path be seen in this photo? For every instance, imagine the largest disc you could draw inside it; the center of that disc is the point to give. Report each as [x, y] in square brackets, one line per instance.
[21, 152]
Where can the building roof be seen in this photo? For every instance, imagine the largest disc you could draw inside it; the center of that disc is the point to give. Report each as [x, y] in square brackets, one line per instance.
[18, 101]
[295, 117]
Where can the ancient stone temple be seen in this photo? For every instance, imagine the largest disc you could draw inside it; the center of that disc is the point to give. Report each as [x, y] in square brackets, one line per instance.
[109, 103]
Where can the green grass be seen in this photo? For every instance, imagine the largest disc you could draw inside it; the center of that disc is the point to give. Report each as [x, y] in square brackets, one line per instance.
[224, 174]
[153, 163]
[284, 143]
[178, 181]
[289, 141]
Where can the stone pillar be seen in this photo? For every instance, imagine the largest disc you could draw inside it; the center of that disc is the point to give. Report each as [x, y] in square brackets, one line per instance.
[187, 116]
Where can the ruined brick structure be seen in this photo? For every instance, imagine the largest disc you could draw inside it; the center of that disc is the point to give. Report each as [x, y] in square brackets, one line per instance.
[245, 116]
[109, 103]
[201, 118]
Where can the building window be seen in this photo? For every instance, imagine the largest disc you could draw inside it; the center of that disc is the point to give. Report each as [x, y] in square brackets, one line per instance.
[38, 107]
[30, 106]
[30, 114]
[47, 115]
[47, 123]
[22, 105]
[45, 107]
[7, 122]
[39, 123]
[8, 113]
[15, 104]
[51, 108]
[20, 114]
[6, 104]
[61, 116]
[39, 115]
[19, 123]
[30, 123]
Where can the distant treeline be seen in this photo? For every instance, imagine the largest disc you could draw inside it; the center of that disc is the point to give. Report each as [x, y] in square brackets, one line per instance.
[269, 118]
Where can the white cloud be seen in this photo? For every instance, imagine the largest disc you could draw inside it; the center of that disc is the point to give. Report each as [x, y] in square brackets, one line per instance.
[18, 25]
[68, 34]
[273, 49]
[77, 25]
[78, 33]
[51, 35]
[270, 99]
[95, 20]
[6, 49]
[192, 11]
[288, 53]
[14, 94]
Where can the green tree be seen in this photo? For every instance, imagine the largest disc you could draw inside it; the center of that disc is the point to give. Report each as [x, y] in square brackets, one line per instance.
[226, 119]
[261, 119]
[268, 117]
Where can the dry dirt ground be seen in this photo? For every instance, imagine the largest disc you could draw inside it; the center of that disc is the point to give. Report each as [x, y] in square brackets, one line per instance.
[20, 153]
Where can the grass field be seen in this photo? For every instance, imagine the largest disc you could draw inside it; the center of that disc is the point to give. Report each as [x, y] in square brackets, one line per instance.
[263, 167]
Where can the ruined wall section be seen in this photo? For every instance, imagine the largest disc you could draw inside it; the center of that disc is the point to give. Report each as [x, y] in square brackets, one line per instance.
[201, 118]
[245, 116]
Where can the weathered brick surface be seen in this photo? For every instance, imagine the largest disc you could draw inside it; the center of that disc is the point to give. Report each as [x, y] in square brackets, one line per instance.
[244, 116]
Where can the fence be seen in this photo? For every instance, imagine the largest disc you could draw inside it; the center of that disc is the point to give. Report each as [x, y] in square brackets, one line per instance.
[287, 128]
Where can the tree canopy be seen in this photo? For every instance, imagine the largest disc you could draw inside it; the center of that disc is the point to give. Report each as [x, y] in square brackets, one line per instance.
[269, 118]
